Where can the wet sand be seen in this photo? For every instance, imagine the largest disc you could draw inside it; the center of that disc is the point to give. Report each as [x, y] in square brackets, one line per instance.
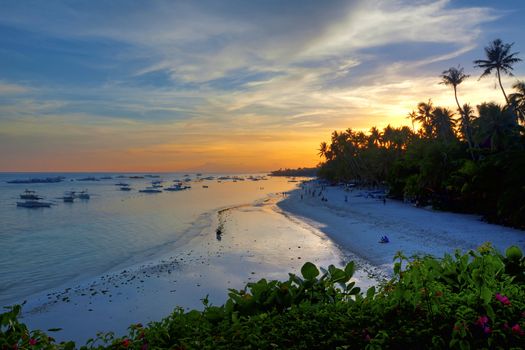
[256, 241]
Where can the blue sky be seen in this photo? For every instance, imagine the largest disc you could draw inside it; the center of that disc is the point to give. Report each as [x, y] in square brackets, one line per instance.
[227, 85]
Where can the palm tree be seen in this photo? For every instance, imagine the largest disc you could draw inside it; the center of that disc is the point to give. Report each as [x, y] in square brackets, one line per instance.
[453, 77]
[499, 59]
[412, 116]
[423, 116]
[517, 100]
[323, 150]
[465, 123]
[374, 137]
[443, 123]
[496, 127]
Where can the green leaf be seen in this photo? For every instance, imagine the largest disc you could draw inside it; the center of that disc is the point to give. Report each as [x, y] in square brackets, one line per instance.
[370, 292]
[355, 291]
[350, 268]
[309, 271]
[338, 275]
[486, 295]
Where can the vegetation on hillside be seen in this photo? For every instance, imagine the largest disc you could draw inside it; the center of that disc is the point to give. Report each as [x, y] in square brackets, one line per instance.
[470, 301]
[467, 160]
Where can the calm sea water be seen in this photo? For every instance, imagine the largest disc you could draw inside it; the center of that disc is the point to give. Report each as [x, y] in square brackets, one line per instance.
[46, 248]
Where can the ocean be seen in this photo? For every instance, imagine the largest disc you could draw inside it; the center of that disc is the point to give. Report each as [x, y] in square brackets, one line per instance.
[46, 248]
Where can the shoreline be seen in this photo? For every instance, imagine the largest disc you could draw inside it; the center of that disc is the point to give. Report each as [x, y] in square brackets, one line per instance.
[258, 242]
[356, 221]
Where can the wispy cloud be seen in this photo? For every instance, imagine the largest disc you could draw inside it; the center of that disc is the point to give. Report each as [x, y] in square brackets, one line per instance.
[10, 89]
[149, 78]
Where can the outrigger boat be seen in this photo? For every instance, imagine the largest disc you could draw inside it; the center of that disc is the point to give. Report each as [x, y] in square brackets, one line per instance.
[177, 187]
[69, 197]
[150, 190]
[32, 200]
[28, 194]
[83, 195]
[32, 203]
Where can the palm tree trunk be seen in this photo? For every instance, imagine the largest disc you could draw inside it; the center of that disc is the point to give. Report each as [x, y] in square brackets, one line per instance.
[465, 124]
[501, 86]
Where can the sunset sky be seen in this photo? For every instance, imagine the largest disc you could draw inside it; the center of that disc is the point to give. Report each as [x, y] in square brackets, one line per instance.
[228, 85]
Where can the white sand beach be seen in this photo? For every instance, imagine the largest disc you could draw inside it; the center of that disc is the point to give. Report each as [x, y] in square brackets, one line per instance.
[265, 239]
[358, 223]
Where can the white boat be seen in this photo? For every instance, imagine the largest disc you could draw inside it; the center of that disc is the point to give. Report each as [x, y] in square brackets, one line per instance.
[30, 195]
[150, 190]
[83, 195]
[32, 203]
[69, 197]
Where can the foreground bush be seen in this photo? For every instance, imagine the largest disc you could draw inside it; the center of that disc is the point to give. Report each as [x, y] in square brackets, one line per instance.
[470, 301]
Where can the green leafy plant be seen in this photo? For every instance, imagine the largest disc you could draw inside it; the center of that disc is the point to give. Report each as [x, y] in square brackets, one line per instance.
[462, 301]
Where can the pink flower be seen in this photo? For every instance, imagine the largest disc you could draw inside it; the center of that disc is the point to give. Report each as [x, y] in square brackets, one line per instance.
[487, 330]
[503, 299]
[517, 329]
[125, 343]
[482, 321]
[32, 341]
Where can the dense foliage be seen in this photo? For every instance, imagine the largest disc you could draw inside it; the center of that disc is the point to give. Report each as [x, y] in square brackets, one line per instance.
[306, 172]
[470, 301]
[462, 161]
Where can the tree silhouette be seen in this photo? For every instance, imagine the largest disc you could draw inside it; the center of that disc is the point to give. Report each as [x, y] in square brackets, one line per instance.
[499, 59]
[496, 127]
[443, 123]
[517, 100]
[453, 77]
